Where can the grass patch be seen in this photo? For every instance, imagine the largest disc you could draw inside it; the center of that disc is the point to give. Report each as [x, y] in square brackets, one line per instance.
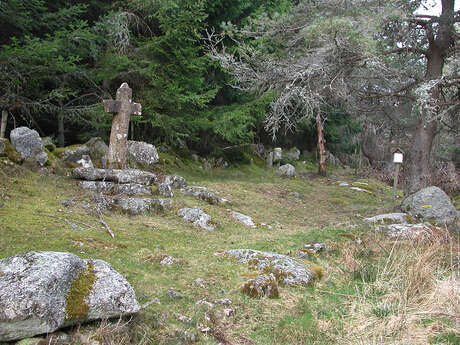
[363, 277]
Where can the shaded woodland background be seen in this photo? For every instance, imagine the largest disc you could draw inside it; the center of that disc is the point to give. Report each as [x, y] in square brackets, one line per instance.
[58, 60]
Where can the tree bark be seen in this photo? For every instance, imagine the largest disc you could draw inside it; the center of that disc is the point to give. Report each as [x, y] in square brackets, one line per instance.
[3, 124]
[321, 146]
[419, 172]
[419, 167]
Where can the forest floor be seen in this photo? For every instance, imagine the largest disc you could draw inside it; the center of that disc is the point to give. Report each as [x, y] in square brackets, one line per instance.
[374, 290]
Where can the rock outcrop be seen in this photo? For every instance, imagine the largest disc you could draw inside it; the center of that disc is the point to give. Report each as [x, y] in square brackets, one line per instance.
[141, 154]
[175, 181]
[136, 206]
[286, 170]
[287, 270]
[28, 144]
[115, 188]
[388, 218]
[204, 194]
[197, 217]
[96, 148]
[41, 292]
[431, 204]
[115, 175]
[261, 286]
[165, 190]
[242, 218]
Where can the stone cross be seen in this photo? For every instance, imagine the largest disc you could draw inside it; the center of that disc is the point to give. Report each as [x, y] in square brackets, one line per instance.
[123, 107]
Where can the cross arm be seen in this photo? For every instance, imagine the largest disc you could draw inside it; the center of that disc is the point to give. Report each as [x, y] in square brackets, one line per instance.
[136, 108]
[111, 106]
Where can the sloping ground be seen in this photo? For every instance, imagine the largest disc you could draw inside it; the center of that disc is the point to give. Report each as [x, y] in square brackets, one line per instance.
[363, 274]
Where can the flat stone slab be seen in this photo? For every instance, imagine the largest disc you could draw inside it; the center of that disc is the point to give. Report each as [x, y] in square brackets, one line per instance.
[408, 231]
[388, 218]
[287, 270]
[136, 206]
[41, 292]
[197, 217]
[115, 175]
[202, 193]
[115, 188]
[357, 189]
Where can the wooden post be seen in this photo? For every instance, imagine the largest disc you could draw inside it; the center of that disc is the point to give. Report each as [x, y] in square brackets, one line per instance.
[398, 158]
[395, 181]
[321, 146]
[123, 107]
[3, 123]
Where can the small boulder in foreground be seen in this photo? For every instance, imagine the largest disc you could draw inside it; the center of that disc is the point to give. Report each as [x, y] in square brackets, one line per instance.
[41, 292]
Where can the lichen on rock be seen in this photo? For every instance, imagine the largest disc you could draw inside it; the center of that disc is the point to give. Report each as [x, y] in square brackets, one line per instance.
[285, 269]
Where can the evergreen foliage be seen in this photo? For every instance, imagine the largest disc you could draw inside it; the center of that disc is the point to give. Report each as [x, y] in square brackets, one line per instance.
[60, 59]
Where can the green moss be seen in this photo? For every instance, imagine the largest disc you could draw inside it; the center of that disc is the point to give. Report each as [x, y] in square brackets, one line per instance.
[59, 151]
[261, 286]
[76, 306]
[445, 338]
[11, 153]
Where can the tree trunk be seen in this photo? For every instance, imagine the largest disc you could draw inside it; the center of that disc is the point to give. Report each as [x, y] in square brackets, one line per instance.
[61, 137]
[321, 146]
[419, 168]
[419, 172]
[3, 124]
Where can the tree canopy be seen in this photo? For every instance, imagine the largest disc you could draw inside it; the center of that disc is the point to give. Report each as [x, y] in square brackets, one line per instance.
[379, 60]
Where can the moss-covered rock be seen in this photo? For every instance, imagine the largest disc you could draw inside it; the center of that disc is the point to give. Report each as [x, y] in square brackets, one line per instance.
[48, 144]
[41, 292]
[286, 270]
[76, 305]
[10, 152]
[260, 286]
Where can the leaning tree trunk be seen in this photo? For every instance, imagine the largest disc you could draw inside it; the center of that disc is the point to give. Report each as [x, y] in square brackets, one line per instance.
[3, 123]
[418, 172]
[321, 146]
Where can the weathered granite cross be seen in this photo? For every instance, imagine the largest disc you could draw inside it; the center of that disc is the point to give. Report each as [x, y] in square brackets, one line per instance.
[123, 107]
